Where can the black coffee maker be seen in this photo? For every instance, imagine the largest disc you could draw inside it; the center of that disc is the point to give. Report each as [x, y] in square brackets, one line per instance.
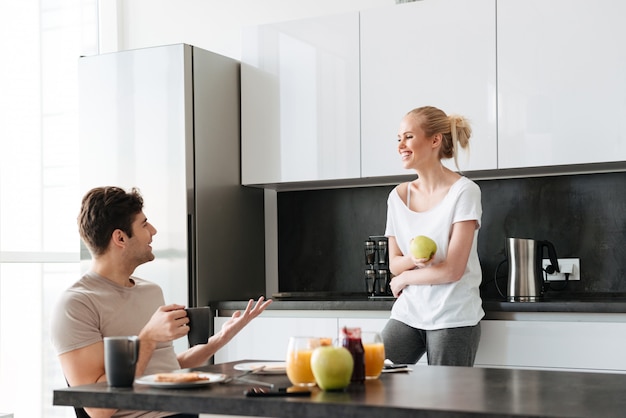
[377, 274]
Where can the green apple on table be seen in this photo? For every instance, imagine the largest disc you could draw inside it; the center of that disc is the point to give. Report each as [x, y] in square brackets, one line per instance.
[332, 367]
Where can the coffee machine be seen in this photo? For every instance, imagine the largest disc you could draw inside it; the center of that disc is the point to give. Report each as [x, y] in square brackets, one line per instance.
[377, 274]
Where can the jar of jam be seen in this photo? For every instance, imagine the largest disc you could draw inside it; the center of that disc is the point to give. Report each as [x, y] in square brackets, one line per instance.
[351, 339]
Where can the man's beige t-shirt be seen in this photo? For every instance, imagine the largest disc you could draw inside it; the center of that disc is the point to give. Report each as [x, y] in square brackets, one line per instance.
[95, 307]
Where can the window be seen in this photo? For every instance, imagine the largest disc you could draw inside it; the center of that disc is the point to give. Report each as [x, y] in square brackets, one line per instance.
[39, 200]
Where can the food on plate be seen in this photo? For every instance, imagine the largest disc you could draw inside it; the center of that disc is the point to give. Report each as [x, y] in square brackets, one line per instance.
[422, 247]
[273, 368]
[180, 377]
[326, 341]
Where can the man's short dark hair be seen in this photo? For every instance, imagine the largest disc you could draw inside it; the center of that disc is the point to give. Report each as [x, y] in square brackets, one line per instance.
[105, 209]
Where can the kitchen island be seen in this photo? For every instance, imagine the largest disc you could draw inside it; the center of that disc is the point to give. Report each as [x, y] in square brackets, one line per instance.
[435, 391]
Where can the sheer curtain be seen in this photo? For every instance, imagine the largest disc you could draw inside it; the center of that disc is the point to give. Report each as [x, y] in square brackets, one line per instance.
[40, 42]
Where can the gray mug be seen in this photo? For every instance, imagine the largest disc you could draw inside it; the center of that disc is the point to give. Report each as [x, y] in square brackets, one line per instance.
[120, 360]
[200, 321]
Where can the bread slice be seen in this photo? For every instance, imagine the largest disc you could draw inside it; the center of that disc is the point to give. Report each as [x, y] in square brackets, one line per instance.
[180, 377]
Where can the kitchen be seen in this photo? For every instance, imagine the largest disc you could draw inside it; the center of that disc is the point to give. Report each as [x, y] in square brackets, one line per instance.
[550, 183]
[148, 26]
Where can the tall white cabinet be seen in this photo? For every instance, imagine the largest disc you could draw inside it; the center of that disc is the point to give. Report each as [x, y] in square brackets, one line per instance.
[561, 82]
[300, 100]
[440, 53]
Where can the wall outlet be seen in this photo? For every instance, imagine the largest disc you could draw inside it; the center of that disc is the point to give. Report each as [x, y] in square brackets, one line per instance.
[566, 265]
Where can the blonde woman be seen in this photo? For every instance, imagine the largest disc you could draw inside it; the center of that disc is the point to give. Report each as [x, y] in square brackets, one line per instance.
[438, 307]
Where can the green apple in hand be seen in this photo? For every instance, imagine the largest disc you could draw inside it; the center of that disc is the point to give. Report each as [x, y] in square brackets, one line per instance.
[332, 367]
[422, 247]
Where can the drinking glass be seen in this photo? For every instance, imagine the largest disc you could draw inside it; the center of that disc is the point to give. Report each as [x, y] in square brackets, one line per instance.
[370, 282]
[298, 362]
[370, 252]
[382, 283]
[383, 253]
[374, 353]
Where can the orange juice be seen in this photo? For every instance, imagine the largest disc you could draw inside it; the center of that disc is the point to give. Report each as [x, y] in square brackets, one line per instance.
[374, 359]
[298, 361]
[299, 367]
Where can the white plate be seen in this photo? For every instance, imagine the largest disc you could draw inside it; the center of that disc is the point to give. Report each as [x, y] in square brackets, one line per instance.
[150, 381]
[269, 367]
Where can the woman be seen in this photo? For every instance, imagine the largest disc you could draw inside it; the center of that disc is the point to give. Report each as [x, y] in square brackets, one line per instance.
[438, 310]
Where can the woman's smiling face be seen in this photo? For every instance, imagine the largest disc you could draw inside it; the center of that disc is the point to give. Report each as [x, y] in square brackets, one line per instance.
[413, 144]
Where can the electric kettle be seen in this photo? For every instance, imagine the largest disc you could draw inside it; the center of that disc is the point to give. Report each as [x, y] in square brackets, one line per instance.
[526, 283]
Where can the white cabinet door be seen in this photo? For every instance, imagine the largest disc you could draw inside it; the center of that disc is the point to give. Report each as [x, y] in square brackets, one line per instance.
[561, 83]
[266, 338]
[584, 346]
[435, 52]
[300, 100]
[366, 324]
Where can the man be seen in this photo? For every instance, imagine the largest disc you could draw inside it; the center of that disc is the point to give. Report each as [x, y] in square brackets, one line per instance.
[109, 301]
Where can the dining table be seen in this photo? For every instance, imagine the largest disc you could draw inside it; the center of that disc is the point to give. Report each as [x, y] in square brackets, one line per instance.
[415, 391]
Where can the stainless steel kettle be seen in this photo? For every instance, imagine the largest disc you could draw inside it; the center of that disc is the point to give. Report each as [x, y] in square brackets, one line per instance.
[525, 256]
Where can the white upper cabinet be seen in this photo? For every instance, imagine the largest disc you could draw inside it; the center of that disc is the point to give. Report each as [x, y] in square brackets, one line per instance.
[434, 52]
[561, 82]
[542, 84]
[300, 100]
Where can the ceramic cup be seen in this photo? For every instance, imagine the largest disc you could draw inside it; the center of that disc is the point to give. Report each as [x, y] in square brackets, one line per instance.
[200, 320]
[120, 360]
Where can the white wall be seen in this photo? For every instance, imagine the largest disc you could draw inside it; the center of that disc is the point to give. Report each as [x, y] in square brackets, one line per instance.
[214, 25]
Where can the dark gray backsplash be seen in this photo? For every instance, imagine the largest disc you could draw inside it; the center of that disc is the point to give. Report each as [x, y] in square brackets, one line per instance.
[321, 235]
[321, 232]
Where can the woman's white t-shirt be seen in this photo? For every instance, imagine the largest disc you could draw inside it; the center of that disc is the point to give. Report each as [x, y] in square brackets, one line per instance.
[448, 305]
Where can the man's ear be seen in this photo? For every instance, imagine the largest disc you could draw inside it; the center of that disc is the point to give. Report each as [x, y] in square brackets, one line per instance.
[119, 238]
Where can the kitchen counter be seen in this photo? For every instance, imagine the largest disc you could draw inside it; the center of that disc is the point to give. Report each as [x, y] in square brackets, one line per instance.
[573, 304]
[425, 392]
[307, 305]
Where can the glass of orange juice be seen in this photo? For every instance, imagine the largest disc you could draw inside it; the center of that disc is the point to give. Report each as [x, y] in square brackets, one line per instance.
[298, 361]
[374, 354]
